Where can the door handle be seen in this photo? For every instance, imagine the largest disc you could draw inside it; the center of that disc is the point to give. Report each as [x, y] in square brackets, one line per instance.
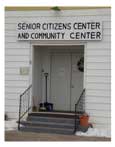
[72, 86]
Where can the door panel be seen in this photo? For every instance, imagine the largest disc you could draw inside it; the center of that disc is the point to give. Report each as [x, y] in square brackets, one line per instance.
[76, 80]
[66, 81]
[60, 81]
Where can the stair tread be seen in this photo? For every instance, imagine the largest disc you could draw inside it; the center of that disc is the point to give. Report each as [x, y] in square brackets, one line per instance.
[47, 130]
[46, 123]
[54, 114]
[44, 112]
[46, 127]
[49, 117]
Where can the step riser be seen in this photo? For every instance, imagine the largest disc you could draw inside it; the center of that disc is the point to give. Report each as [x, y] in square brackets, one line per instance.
[41, 130]
[60, 115]
[50, 125]
[50, 119]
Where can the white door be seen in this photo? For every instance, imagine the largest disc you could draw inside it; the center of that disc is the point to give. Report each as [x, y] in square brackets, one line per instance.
[66, 81]
[76, 80]
[60, 81]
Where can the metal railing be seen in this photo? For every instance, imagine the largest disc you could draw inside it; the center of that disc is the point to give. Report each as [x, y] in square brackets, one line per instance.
[79, 108]
[24, 104]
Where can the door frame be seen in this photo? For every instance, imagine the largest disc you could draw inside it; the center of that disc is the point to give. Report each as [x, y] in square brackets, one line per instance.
[52, 43]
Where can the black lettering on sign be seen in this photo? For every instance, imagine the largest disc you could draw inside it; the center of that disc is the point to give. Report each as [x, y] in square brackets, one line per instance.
[56, 26]
[19, 26]
[71, 35]
[28, 26]
[23, 35]
[98, 35]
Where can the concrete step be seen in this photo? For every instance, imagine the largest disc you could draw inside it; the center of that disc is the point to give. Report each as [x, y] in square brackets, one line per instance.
[48, 130]
[47, 124]
[51, 119]
[50, 122]
[54, 114]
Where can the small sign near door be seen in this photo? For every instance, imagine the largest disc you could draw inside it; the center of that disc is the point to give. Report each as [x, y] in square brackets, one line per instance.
[24, 70]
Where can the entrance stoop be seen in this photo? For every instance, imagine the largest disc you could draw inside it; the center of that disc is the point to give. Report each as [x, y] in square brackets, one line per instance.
[50, 122]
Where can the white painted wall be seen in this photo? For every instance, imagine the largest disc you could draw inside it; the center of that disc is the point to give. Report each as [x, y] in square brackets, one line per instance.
[97, 62]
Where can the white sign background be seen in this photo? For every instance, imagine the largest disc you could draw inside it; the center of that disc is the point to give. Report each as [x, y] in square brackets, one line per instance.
[59, 29]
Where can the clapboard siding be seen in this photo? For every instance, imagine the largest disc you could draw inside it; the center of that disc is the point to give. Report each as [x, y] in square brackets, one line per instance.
[17, 55]
[11, 58]
[10, 109]
[12, 102]
[95, 92]
[12, 96]
[17, 51]
[99, 99]
[99, 106]
[12, 115]
[17, 89]
[10, 33]
[106, 38]
[17, 45]
[99, 45]
[102, 59]
[10, 26]
[99, 86]
[107, 24]
[16, 77]
[99, 113]
[100, 120]
[12, 71]
[16, 84]
[12, 39]
[98, 79]
[14, 20]
[16, 64]
[98, 65]
[97, 54]
[98, 73]
[107, 31]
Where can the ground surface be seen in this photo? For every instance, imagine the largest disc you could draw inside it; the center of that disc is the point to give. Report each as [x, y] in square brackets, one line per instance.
[29, 136]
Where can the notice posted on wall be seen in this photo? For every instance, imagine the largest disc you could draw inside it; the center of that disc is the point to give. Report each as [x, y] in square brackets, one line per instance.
[78, 30]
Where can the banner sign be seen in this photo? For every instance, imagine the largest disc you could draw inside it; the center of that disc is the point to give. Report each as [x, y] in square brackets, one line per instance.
[78, 30]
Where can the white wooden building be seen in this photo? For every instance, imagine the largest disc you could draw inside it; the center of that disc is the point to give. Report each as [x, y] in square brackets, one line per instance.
[26, 59]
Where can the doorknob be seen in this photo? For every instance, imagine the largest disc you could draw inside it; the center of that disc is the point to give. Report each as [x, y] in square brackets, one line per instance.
[72, 86]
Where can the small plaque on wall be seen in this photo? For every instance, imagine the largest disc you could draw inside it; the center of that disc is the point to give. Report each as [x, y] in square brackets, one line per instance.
[24, 70]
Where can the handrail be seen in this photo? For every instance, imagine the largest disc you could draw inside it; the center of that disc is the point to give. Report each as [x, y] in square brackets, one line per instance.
[24, 95]
[80, 97]
[26, 90]
[76, 104]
